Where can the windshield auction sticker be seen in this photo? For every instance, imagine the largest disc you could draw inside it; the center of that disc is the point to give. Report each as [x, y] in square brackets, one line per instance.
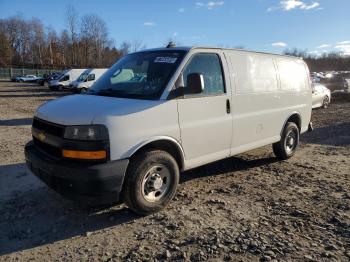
[165, 59]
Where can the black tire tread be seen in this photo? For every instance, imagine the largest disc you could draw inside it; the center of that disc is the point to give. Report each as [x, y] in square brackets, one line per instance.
[136, 166]
[278, 147]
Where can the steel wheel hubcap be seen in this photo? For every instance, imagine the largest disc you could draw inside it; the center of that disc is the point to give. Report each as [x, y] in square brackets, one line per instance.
[291, 140]
[156, 183]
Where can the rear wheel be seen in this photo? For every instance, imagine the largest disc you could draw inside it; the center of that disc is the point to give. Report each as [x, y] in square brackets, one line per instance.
[288, 144]
[151, 181]
[325, 103]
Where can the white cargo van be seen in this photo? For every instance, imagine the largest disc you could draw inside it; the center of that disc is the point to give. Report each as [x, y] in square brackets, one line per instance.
[86, 79]
[65, 79]
[158, 112]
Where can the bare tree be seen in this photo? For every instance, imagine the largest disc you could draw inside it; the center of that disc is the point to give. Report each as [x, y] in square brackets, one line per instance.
[72, 18]
[94, 36]
[5, 47]
[137, 45]
[37, 41]
[65, 47]
[53, 46]
[125, 48]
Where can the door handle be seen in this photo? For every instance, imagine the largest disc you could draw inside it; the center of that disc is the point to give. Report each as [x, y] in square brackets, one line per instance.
[228, 107]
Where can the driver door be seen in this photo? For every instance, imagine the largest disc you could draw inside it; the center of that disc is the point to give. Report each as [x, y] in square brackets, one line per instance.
[205, 119]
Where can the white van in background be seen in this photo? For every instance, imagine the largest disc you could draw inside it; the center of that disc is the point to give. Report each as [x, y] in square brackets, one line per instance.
[158, 112]
[86, 79]
[65, 79]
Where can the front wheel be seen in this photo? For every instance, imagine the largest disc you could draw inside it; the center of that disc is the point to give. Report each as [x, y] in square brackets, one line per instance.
[288, 144]
[151, 182]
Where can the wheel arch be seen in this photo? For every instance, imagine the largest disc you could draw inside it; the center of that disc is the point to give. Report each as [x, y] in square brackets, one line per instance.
[294, 117]
[167, 144]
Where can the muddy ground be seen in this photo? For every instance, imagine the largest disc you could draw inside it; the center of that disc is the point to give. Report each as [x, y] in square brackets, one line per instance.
[247, 208]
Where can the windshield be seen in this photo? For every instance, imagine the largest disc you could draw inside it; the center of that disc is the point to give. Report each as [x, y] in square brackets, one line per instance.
[58, 76]
[82, 77]
[141, 75]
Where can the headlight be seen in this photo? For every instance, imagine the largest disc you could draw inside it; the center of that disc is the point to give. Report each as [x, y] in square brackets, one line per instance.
[95, 132]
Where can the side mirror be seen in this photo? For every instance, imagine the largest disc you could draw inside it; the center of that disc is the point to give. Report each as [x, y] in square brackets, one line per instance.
[195, 83]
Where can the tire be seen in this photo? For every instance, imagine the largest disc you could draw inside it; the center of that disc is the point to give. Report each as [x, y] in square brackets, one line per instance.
[151, 182]
[288, 144]
[325, 103]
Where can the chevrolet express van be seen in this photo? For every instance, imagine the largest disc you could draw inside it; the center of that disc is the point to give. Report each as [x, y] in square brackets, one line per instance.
[65, 79]
[158, 112]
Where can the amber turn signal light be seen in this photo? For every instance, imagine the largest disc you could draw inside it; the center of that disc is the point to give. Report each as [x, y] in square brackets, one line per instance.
[91, 155]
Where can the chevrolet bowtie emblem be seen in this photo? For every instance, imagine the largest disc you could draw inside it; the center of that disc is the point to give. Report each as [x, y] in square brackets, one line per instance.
[41, 137]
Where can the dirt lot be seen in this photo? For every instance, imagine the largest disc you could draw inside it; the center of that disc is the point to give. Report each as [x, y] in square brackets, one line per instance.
[247, 208]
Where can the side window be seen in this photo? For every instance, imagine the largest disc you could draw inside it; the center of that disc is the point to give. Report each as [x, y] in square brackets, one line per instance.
[210, 67]
[91, 77]
[65, 78]
[256, 73]
[292, 74]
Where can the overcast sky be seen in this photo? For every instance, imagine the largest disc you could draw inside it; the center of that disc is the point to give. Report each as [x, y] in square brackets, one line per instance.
[265, 25]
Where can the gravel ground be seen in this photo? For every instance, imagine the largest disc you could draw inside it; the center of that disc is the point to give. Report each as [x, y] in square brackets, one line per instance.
[247, 208]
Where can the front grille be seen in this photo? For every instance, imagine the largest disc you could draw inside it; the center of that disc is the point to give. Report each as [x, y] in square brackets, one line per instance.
[48, 149]
[49, 128]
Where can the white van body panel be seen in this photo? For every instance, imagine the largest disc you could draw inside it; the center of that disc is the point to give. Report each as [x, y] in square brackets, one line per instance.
[263, 91]
[96, 72]
[76, 81]
[261, 104]
[135, 127]
[73, 75]
[131, 122]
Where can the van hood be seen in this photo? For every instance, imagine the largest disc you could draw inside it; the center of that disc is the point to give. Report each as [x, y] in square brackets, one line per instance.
[84, 109]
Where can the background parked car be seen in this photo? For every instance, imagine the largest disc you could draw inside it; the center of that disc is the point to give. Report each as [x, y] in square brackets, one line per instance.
[335, 83]
[321, 96]
[14, 78]
[28, 78]
[347, 79]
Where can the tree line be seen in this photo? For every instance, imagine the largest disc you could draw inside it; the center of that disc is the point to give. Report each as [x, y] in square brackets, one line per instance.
[84, 43]
[326, 62]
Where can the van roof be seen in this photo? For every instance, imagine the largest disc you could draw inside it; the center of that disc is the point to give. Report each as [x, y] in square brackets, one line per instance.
[188, 48]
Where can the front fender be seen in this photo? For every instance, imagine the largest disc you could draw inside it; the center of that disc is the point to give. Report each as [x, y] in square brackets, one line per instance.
[143, 144]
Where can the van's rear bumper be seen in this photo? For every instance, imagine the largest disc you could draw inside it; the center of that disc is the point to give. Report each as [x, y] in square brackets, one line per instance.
[83, 182]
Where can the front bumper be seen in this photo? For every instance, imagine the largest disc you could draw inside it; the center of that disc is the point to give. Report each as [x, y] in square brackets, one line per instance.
[83, 182]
